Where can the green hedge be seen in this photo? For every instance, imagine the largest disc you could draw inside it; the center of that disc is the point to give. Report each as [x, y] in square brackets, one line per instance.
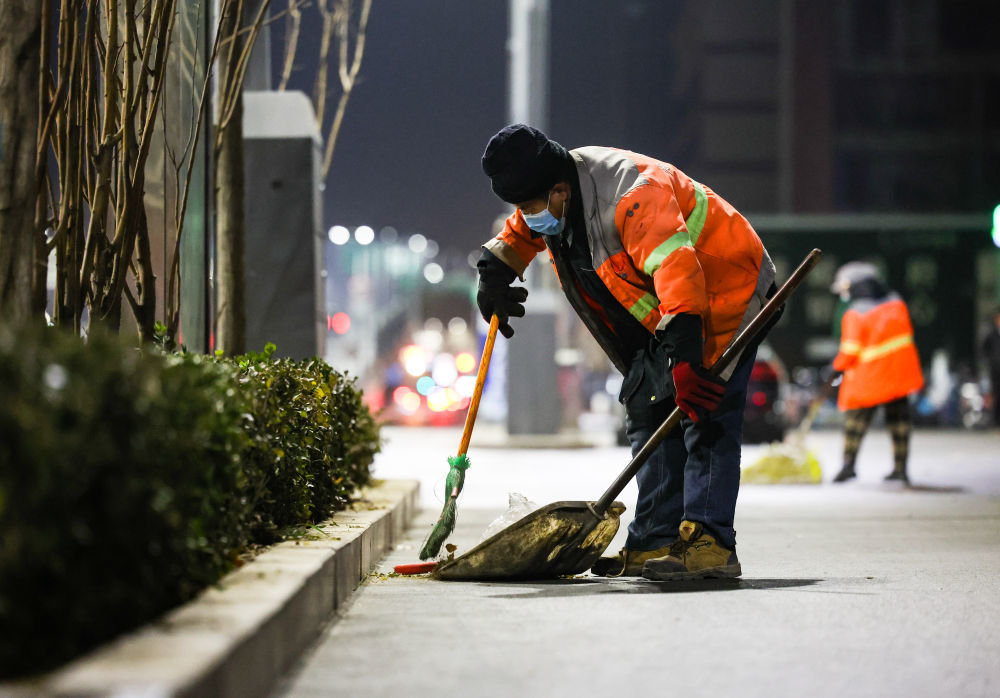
[130, 480]
[312, 440]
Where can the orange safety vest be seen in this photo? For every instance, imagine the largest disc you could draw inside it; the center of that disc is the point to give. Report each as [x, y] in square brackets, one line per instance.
[877, 354]
[662, 243]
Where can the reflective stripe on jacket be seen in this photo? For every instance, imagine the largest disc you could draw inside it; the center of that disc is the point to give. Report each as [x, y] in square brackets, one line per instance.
[662, 243]
[877, 354]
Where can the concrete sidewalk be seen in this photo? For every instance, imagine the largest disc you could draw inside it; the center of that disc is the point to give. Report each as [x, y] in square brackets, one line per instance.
[864, 590]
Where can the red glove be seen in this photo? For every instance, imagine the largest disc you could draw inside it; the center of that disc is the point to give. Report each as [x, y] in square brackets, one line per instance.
[697, 391]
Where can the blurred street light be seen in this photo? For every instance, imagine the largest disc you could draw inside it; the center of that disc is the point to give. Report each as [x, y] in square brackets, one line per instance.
[434, 273]
[339, 235]
[364, 235]
[417, 243]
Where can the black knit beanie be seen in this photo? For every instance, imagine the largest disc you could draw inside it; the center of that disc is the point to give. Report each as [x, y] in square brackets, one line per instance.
[523, 164]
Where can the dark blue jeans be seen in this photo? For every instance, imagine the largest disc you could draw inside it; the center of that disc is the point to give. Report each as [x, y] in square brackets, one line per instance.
[694, 474]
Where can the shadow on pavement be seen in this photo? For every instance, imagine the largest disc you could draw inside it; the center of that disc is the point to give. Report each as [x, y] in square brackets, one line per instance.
[587, 586]
[901, 488]
[944, 489]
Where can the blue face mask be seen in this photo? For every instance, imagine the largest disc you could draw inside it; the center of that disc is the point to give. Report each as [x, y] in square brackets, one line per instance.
[544, 223]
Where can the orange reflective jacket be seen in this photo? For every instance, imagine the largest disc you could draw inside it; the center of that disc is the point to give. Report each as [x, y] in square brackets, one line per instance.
[877, 354]
[662, 243]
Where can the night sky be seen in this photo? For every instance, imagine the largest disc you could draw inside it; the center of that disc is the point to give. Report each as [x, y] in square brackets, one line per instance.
[434, 91]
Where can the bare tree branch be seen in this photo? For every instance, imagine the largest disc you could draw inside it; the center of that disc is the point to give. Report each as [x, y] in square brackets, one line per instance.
[348, 76]
[291, 44]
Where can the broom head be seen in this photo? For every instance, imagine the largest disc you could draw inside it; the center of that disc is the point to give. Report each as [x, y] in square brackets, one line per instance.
[446, 522]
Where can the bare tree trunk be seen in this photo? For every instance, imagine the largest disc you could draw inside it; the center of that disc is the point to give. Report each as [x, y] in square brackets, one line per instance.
[229, 191]
[20, 27]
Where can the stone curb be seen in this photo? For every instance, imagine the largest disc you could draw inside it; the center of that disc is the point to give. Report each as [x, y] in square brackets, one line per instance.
[239, 637]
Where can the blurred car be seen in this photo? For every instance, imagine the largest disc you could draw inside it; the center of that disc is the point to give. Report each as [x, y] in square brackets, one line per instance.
[427, 381]
[763, 418]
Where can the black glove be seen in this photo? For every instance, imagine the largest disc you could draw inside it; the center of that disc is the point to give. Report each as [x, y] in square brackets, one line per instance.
[681, 339]
[496, 296]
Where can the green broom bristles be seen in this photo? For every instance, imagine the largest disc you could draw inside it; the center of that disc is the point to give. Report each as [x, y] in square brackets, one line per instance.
[446, 523]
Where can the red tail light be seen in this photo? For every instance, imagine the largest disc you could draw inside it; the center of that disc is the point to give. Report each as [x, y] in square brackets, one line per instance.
[762, 371]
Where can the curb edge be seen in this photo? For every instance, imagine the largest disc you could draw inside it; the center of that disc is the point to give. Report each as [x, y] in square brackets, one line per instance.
[240, 636]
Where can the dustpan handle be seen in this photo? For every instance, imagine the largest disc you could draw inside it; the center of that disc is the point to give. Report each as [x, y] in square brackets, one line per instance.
[734, 349]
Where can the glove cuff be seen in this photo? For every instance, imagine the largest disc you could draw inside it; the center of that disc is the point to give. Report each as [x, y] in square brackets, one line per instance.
[494, 271]
[681, 339]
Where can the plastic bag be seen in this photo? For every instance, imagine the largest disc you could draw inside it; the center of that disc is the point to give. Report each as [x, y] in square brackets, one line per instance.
[518, 506]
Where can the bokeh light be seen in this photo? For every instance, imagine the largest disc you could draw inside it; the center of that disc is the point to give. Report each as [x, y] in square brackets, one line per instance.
[407, 400]
[465, 362]
[414, 359]
[339, 235]
[417, 243]
[340, 323]
[425, 384]
[457, 325]
[444, 371]
[438, 400]
[465, 386]
[434, 273]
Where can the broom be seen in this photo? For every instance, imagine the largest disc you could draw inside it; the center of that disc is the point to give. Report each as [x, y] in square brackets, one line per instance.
[459, 464]
[790, 461]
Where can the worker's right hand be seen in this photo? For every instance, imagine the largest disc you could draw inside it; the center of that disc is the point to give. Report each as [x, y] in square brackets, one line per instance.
[496, 296]
[698, 392]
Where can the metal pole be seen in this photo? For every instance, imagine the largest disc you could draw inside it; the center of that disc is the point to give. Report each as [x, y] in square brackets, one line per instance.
[527, 50]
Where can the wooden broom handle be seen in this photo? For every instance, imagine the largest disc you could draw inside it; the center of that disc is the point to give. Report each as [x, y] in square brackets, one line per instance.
[484, 365]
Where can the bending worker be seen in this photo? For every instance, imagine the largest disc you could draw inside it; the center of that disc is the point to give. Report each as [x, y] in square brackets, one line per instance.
[664, 273]
[879, 361]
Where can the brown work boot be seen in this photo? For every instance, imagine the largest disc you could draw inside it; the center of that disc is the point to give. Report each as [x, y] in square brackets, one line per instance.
[695, 555]
[627, 563]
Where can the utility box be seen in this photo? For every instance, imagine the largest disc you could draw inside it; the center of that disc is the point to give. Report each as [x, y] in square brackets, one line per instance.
[285, 281]
[534, 405]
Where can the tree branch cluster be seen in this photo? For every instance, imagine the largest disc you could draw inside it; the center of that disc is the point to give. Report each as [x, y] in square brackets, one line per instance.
[342, 23]
[101, 106]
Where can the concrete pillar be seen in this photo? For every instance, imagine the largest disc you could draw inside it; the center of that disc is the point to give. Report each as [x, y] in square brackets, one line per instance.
[285, 290]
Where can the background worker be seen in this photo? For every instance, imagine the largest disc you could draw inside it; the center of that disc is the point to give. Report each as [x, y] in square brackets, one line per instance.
[664, 273]
[879, 361]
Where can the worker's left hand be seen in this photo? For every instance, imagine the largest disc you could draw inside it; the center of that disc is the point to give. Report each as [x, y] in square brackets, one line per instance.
[698, 392]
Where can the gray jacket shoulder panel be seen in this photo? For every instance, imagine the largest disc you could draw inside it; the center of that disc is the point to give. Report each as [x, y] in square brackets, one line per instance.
[606, 175]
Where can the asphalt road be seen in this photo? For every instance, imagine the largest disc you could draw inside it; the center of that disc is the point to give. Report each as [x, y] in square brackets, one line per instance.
[861, 589]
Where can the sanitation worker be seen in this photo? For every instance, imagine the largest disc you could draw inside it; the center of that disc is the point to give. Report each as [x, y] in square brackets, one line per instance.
[664, 273]
[879, 361]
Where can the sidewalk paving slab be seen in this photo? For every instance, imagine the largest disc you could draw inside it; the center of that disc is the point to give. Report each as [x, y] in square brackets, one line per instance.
[864, 589]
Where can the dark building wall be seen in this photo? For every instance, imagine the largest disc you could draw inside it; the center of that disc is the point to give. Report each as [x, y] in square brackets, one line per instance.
[917, 98]
[792, 105]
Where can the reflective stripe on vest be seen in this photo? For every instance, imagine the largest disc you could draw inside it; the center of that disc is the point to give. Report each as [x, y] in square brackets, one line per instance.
[850, 347]
[684, 238]
[887, 347]
[646, 304]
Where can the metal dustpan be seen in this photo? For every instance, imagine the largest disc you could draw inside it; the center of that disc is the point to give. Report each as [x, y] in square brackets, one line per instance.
[560, 539]
[566, 538]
